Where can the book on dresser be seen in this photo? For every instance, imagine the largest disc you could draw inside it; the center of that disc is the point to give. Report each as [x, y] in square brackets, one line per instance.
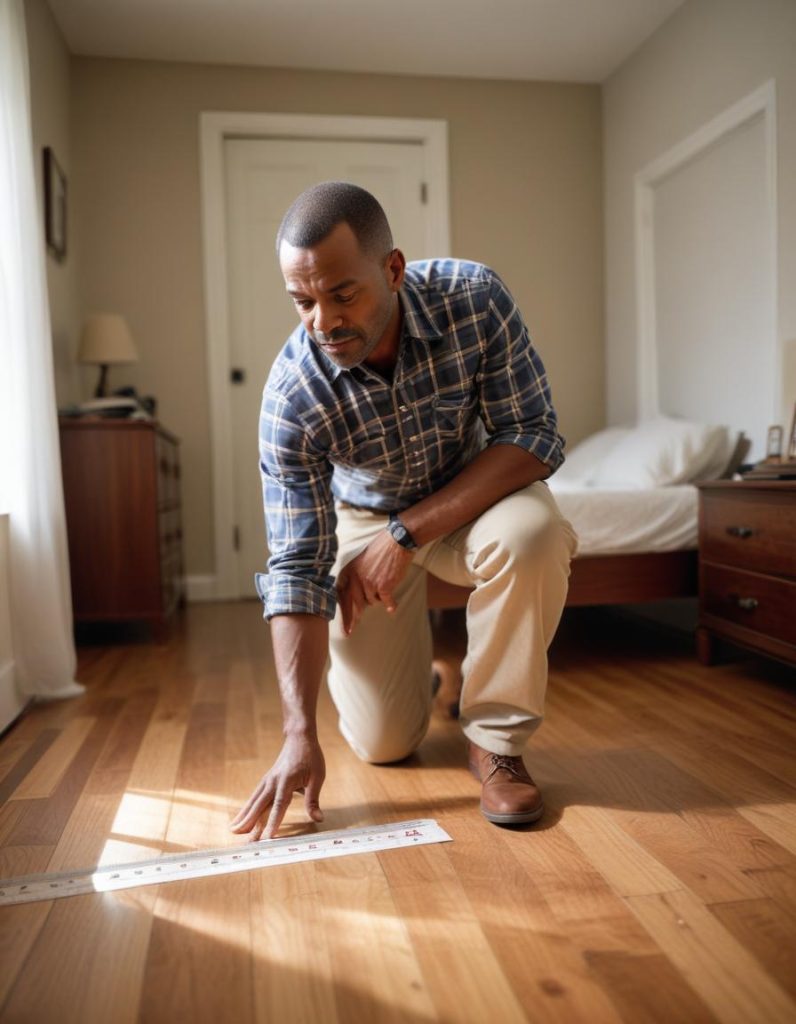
[124, 520]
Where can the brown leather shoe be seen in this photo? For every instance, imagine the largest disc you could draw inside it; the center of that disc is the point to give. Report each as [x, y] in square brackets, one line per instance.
[509, 795]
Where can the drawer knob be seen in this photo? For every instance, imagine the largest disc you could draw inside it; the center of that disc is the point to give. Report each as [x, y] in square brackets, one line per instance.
[740, 531]
[747, 603]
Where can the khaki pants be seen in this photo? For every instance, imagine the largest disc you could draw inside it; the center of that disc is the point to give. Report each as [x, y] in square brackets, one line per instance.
[516, 555]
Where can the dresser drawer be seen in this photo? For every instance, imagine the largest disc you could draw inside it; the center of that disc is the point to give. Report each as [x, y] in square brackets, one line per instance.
[168, 473]
[170, 530]
[753, 530]
[764, 604]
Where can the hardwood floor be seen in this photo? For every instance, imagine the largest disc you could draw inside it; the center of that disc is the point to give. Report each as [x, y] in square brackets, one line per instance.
[659, 887]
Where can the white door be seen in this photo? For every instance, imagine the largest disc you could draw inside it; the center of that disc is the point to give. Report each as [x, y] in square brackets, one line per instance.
[262, 178]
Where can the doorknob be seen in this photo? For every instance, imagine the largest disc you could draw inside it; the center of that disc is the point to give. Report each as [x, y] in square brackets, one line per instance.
[237, 375]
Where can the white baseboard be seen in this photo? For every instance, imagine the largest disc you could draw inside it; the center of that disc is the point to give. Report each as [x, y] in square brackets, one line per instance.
[200, 588]
[12, 703]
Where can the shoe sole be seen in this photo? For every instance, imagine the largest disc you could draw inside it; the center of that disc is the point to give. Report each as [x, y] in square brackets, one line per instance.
[523, 818]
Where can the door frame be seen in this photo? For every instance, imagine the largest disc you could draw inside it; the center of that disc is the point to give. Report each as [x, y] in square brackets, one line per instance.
[214, 128]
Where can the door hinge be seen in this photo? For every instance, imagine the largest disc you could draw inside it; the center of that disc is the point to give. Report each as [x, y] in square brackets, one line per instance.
[236, 538]
[423, 192]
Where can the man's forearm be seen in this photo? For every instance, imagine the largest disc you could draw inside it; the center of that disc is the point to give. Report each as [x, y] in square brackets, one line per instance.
[493, 474]
[301, 646]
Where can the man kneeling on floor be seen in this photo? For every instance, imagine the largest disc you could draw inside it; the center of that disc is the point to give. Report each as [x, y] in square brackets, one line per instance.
[406, 428]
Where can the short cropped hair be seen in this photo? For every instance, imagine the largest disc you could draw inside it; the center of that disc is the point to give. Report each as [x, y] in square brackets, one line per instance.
[319, 210]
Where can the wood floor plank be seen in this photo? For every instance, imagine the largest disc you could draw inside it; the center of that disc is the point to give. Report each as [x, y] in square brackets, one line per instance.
[586, 907]
[199, 961]
[764, 799]
[766, 929]
[674, 1000]
[464, 979]
[623, 862]
[720, 969]
[707, 849]
[19, 929]
[23, 763]
[43, 819]
[50, 768]
[547, 969]
[286, 916]
[369, 944]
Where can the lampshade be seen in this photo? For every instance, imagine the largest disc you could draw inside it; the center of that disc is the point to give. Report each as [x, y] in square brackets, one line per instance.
[106, 339]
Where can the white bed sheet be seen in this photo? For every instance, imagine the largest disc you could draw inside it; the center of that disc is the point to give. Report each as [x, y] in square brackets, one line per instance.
[619, 522]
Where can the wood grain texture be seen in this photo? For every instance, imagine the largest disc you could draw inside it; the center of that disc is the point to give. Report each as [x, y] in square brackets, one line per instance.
[660, 885]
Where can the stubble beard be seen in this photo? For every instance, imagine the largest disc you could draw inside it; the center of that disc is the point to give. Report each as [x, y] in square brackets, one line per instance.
[368, 342]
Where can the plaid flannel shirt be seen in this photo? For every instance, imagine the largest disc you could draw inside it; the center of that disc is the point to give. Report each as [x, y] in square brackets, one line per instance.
[467, 376]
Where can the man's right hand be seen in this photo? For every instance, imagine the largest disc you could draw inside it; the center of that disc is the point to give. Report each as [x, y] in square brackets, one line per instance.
[301, 768]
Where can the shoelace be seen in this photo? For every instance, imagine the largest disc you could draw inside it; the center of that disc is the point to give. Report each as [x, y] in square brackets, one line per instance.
[511, 764]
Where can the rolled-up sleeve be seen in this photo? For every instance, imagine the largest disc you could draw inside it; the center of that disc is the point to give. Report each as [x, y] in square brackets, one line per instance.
[299, 515]
[516, 404]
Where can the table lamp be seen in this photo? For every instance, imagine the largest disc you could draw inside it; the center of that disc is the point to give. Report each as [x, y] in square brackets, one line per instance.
[106, 339]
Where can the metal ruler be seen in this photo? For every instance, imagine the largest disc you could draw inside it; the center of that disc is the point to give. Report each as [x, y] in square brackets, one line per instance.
[199, 863]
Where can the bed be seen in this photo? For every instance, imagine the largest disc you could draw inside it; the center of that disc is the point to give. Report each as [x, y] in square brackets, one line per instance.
[629, 493]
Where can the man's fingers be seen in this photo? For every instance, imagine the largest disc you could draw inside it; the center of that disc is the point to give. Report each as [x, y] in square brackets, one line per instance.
[346, 608]
[357, 598]
[278, 810]
[311, 798]
[388, 601]
[256, 804]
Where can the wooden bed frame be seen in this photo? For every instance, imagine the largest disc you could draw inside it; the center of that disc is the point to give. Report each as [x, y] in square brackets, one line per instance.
[594, 580]
[605, 579]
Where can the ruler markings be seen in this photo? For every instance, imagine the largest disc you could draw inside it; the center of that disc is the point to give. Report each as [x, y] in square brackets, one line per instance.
[223, 861]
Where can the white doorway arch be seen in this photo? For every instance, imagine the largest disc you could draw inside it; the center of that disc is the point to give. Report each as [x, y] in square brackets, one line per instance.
[702, 169]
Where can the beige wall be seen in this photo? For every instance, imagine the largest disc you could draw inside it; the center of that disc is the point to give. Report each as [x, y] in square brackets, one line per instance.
[706, 57]
[526, 194]
[49, 63]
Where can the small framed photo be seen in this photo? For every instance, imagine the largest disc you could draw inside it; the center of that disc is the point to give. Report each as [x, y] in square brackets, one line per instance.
[54, 206]
[774, 444]
[791, 454]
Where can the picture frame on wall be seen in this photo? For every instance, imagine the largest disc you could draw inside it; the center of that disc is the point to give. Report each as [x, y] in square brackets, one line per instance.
[54, 206]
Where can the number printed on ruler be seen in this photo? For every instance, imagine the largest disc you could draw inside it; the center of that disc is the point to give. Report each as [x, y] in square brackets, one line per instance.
[224, 861]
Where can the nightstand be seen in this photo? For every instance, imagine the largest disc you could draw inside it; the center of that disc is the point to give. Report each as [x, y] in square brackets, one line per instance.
[747, 567]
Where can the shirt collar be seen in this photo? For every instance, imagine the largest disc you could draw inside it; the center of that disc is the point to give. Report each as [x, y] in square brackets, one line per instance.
[418, 320]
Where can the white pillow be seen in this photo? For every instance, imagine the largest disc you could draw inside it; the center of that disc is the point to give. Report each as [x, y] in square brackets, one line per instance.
[582, 463]
[664, 451]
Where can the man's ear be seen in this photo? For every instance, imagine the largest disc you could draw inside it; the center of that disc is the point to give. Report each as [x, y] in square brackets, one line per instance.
[394, 269]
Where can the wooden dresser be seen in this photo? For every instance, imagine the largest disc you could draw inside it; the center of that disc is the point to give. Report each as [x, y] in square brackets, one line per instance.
[747, 567]
[123, 516]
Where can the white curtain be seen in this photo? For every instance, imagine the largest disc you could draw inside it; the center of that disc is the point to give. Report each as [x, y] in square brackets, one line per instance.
[30, 462]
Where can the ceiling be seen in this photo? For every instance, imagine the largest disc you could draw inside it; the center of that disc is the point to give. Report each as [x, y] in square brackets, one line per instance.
[552, 40]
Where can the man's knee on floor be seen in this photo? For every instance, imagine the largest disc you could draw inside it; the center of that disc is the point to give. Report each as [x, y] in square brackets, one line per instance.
[384, 747]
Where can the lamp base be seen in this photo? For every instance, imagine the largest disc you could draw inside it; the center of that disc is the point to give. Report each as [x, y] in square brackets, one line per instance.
[102, 384]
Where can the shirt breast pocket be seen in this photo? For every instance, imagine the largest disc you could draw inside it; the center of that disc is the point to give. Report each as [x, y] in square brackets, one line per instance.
[367, 449]
[452, 414]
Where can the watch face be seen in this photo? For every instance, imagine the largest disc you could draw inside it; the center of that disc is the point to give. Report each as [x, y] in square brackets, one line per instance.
[400, 534]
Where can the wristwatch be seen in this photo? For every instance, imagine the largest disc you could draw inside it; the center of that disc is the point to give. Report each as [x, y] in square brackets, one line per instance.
[399, 533]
